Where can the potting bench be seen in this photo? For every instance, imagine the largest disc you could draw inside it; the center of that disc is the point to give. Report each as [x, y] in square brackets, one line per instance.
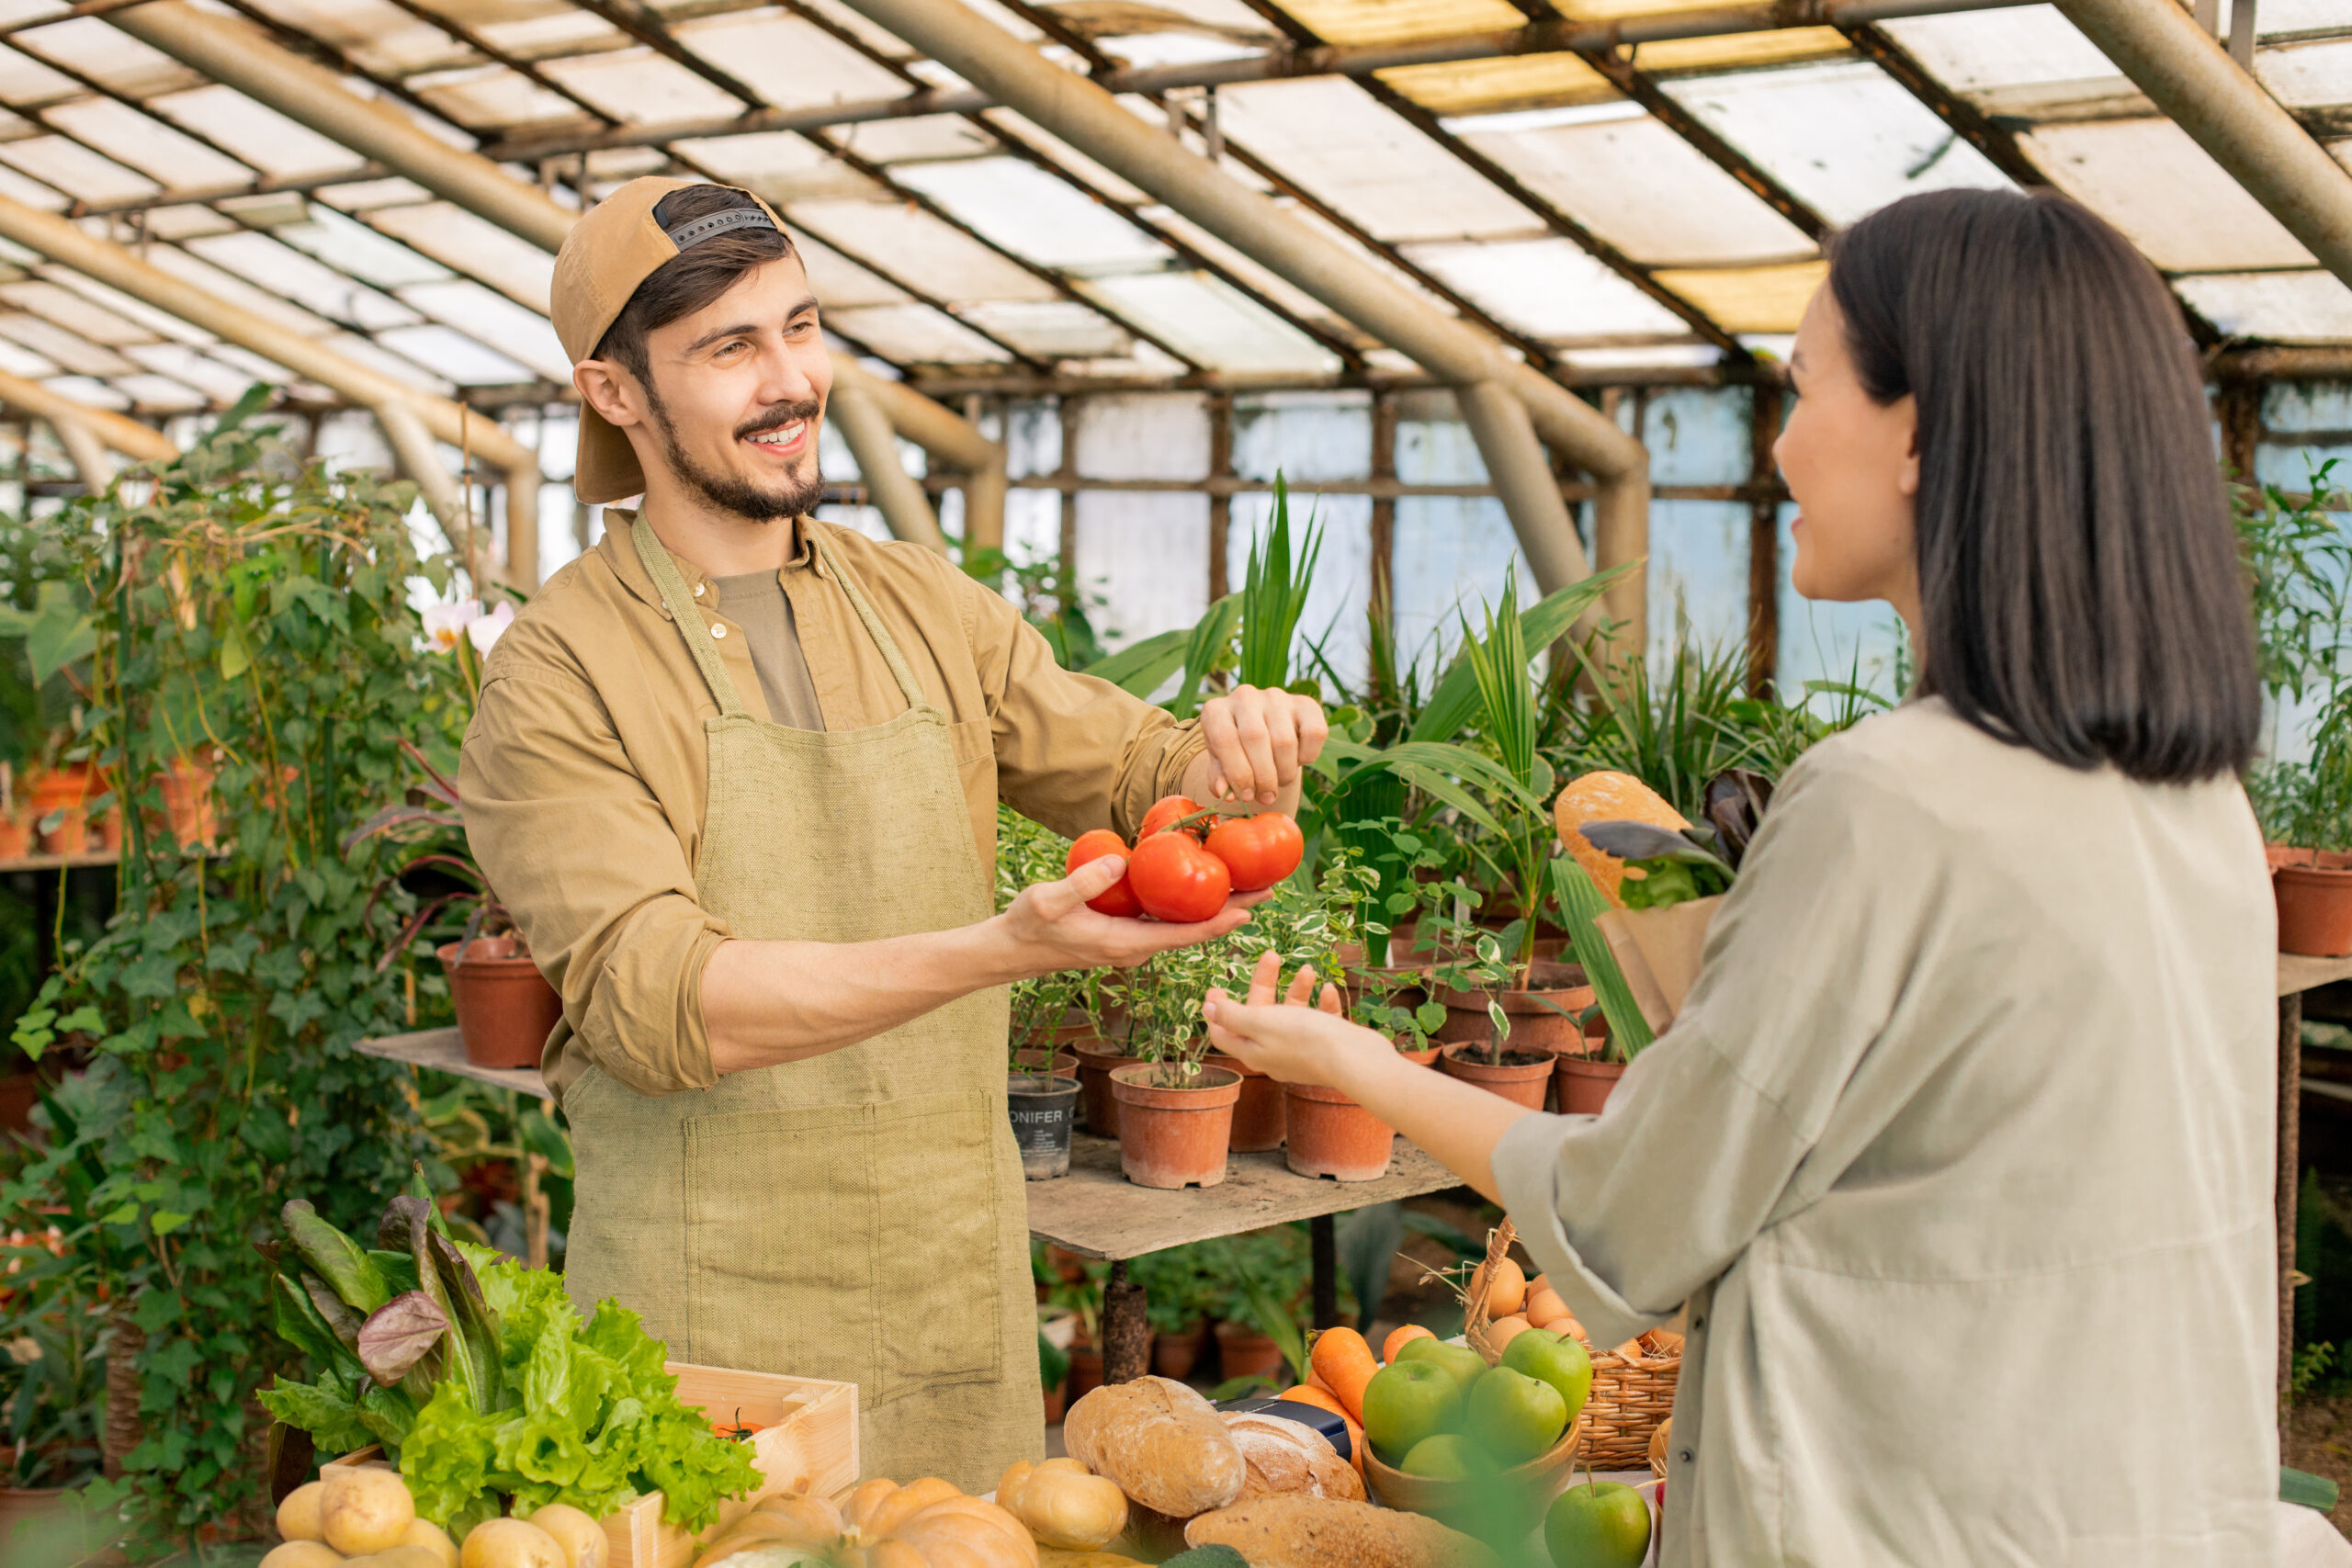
[1095, 1210]
[2296, 975]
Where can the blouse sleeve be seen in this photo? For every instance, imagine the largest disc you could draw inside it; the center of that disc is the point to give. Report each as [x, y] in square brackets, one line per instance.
[1712, 1131]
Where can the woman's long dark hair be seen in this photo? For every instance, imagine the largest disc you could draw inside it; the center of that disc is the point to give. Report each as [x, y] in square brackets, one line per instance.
[2079, 579]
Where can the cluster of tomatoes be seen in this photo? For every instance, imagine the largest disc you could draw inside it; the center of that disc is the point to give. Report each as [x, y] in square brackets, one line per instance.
[1182, 868]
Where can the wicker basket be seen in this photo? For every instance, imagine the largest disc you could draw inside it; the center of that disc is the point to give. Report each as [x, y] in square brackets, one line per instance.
[1632, 1385]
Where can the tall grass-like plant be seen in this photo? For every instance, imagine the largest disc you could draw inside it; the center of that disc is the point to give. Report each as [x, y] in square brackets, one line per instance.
[1506, 718]
[1273, 596]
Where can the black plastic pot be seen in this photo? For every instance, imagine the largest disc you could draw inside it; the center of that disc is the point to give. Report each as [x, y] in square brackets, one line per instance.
[1045, 1112]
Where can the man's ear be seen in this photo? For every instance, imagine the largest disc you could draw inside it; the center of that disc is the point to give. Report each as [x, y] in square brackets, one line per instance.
[608, 387]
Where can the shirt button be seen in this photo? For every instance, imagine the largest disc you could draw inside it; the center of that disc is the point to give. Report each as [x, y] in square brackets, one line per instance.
[1697, 1324]
[1684, 1456]
[719, 631]
[698, 587]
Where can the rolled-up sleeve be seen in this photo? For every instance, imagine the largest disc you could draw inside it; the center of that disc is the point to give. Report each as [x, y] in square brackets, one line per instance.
[1073, 752]
[579, 850]
[1715, 1131]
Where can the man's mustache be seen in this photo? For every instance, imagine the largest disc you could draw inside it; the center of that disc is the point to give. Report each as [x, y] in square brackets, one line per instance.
[777, 417]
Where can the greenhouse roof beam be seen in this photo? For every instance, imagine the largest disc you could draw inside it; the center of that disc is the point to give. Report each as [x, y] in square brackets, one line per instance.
[1298, 58]
[141, 443]
[1082, 113]
[2191, 77]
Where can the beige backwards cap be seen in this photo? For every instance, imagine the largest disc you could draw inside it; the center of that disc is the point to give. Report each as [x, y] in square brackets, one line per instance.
[616, 245]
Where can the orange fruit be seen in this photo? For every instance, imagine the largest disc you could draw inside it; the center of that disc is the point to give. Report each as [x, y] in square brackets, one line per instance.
[1396, 1341]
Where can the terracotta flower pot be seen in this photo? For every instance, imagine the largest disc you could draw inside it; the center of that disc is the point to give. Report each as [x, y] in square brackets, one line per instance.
[1332, 1135]
[1521, 1079]
[505, 1007]
[1583, 1084]
[15, 837]
[1258, 1119]
[1057, 1404]
[1033, 1058]
[1424, 1057]
[1173, 1354]
[1096, 1108]
[2314, 891]
[65, 790]
[1543, 1017]
[1085, 1373]
[1246, 1351]
[1174, 1137]
[186, 789]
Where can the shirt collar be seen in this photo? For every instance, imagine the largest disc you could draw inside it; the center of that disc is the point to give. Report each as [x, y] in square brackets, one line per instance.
[620, 554]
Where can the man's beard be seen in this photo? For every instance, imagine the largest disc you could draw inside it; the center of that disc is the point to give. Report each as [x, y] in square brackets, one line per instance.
[729, 492]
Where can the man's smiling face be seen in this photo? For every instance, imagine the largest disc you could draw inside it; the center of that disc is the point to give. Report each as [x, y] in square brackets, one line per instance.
[736, 392]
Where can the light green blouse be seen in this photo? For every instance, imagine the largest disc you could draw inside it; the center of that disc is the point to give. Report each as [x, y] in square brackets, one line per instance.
[1960, 1153]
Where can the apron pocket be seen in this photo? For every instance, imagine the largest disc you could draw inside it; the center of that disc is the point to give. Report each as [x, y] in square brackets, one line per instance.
[852, 1242]
[937, 1264]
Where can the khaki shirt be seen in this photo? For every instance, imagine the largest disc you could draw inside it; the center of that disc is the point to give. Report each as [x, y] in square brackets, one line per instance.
[1962, 1152]
[586, 770]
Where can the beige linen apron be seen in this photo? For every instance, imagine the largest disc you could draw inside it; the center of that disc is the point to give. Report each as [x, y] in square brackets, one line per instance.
[859, 1215]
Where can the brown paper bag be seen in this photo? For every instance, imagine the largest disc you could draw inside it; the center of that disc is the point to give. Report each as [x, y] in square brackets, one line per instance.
[1659, 951]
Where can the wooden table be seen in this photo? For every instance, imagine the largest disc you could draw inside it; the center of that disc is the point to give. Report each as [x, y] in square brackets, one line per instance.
[2297, 975]
[1095, 1210]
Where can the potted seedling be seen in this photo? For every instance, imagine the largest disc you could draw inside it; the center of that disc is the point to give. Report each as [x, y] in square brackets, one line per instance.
[1175, 1110]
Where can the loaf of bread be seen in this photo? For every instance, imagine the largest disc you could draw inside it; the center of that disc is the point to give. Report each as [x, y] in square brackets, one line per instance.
[1289, 1460]
[1161, 1442]
[1313, 1532]
[1064, 1504]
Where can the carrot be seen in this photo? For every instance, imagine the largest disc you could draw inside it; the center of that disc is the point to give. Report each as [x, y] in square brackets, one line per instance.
[1396, 1341]
[1343, 1361]
[1324, 1398]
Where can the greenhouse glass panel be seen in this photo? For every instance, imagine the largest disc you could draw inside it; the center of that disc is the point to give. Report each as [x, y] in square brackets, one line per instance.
[2283, 307]
[493, 318]
[58, 305]
[919, 250]
[915, 334]
[1394, 21]
[1453, 555]
[1098, 176]
[879, 38]
[361, 195]
[1749, 299]
[1209, 321]
[17, 360]
[350, 246]
[262, 260]
[474, 246]
[1779, 46]
[75, 353]
[1052, 330]
[1365, 160]
[931, 136]
[642, 87]
[840, 283]
[1635, 184]
[1844, 137]
[1698, 435]
[491, 97]
[453, 355]
[25, 81]
[160, 394]
[1278, 289]
[107, 55]
[1303, 435]
[2026, 46]
[2308, 75]
[262, 137]
[1147, 554]
[1489, 86]
[76, 170]
[162, 323]
[191, 268]
[1033, 214]
[1144, 435]
[558, 29]
[377, 36]
[780, 166]
[1697, 579]
[788, 61]
[32, 193]
[1339, 594]
[1688, 356]
[1552, 289]
[2299, 15]
[84, 389]
[258, 368]
[224, 384]
[2294, 406]
[2168, 196]
[1433, 446]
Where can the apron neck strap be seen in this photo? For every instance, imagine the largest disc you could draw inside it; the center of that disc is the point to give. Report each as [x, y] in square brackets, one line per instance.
[908, 686]
[682, 610]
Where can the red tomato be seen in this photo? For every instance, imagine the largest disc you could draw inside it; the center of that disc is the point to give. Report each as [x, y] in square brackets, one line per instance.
[1177, 880]
[1094, 844]
[1260, 850]
[1170, 809]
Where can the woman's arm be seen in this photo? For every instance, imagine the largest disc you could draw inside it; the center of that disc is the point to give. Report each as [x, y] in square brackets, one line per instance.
[1457, 1124]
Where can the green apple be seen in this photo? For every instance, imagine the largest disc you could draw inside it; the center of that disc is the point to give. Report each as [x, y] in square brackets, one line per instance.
[1514, 1417]
[1409, 1402]
[1465, 1365]
[1598, 1524]
[1449, 1456]
[1549, 1356]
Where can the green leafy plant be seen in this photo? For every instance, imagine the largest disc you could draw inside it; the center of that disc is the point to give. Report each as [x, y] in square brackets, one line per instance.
[248, 604]
[2298, 557]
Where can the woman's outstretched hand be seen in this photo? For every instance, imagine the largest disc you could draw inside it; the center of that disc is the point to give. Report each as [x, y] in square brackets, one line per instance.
[1291, 1036]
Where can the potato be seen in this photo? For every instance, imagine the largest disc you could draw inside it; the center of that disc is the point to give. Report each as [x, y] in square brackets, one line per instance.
[581, 1537]
[364, 1510]
[409, 1555]
[510, 1543]
[433, 1539]
[302, 1554]
[298, 1516]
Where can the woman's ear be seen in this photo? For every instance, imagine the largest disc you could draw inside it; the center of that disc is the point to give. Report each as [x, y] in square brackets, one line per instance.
[1907, 480]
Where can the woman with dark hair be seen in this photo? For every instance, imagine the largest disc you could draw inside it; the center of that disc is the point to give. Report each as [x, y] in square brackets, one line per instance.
[1960, 1152]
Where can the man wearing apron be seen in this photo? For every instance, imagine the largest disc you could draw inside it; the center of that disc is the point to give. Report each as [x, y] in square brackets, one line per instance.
[735, 773]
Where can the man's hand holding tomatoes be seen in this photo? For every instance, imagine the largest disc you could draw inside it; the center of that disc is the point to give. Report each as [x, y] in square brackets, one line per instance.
[1051, 927]
[1258, 742]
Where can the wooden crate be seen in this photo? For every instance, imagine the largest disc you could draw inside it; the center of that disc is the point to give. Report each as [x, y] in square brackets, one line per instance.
[807, 1442]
